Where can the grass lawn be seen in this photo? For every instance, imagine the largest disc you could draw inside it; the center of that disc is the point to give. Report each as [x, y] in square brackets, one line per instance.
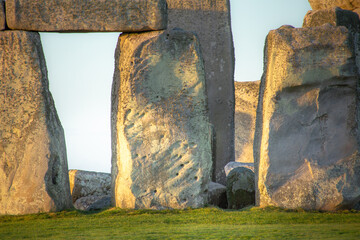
[206, 223]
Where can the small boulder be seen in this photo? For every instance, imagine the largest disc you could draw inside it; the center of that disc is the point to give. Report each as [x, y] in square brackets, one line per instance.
[240, 184]
[217, 195]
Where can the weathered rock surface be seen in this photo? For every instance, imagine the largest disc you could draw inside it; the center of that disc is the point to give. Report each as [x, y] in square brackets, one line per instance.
[90, 16]
[344, 4]
[217, 195]
[33, 164]
[161, 135]
[86, 184]
[334, 16]
[210, 20]
[231, 165]
[246, 100]
[2, 15]
[307, 131]
[240, 184]
[91, 203]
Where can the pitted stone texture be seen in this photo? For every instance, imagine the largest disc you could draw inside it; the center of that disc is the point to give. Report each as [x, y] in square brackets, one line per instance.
[2, 15]
[86, 16]
[85, 184]
[344, 4]
[231, 165]
[33, 165]
[161, 135]
[246, 100]
[306, 132]
[217, 195]
[240, 184]
[210, 20]
[334, 16]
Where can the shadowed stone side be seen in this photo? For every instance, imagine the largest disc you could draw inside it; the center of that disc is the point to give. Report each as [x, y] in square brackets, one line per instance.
[161, 135]
[210, 20]
[2, 15]
[87, 16]
[246, 100]
[33, 165]
[306, 153]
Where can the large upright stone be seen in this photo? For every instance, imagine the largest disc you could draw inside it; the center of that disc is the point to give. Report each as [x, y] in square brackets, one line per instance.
[307, 129]
[210, 19]
[88, 16]
[33, 165]
[246, 101]
[161, 135]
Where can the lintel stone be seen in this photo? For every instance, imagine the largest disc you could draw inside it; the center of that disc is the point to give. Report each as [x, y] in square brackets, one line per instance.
[86, 16]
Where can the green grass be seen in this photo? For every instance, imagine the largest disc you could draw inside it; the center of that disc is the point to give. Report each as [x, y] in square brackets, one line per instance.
[206, 223]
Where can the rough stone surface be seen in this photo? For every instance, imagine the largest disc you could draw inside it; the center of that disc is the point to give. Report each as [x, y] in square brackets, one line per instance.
[246, 100]
[33, 165]
[306, 153]
[161, 135]
[210, 20]
[217, 195]
[91, 203]
[231, 165]
[240, 184]
[334, 16]
[2, 15]
[344, 4]
[85, 184]
[90, 16]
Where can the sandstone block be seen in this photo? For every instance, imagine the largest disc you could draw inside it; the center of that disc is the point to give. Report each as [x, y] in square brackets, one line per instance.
[161, 135]
[240, 184]
[246, 100]
[2, 15]
[231, 165]
[85, 184]
[344, 4]
[217, 195]
[306, 153]
[86, 16]
[334, 16]
[210, 20]
[33, 164]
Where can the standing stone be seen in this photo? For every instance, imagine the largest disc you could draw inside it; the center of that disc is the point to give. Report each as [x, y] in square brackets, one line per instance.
[334, 16]
[90, 16]
[246, 100]
[306, 153]
[2, 15]
[240, 188]
[161, 135]
[33, 165]
[210, 20]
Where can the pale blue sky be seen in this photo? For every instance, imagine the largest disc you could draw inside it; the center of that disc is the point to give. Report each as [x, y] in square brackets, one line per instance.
[81, 66]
